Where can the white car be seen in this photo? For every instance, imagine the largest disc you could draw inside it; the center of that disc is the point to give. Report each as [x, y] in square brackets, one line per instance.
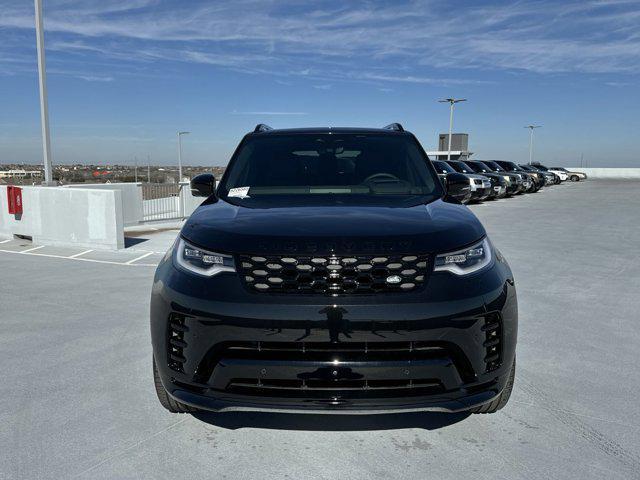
[573, 176]
[561, 174]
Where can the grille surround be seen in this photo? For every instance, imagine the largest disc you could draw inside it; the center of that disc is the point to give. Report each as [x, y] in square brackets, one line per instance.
[333, 274]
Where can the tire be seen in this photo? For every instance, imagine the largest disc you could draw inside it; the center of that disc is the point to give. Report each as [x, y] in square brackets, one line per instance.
[574, 178]
[165, 399]
[501, 400]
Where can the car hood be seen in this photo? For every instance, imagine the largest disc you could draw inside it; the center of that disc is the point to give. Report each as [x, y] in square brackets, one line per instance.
[439, 226]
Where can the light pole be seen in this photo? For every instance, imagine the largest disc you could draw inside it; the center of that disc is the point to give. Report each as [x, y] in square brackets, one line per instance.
[451, 102]
[44, 103]
[531, 129]
[180, 154]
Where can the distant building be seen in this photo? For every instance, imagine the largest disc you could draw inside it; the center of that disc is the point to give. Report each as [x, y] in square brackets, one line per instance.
[20, 173]
[459, 147]
[459, 141]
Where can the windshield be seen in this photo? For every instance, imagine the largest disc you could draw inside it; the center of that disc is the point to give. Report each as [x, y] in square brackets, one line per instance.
[479, 166]
[493, 166]
[360, 167]
[442, 167]
[508, 166]
[462, 167]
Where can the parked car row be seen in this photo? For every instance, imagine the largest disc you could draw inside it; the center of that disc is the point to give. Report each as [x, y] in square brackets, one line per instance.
[491, 179]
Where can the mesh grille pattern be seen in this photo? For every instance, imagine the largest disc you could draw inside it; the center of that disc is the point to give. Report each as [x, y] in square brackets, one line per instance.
[332, 274]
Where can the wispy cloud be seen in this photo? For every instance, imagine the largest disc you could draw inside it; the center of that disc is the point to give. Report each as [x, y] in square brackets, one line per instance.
[95, 78]
[425, 80]
[620, 84]
[411, 41]
[267, 113]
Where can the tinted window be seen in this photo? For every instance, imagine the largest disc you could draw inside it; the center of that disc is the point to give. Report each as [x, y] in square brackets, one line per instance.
[316, 165]
[493, 166]
[461, 167]
[478, 167]
[442, 167]
[508, 166]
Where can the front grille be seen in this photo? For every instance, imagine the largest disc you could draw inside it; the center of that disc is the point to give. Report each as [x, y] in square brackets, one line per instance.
[493, 341]
[355, 388]
[343, 384]
[332, 274]
[295, 352]
[175, 342]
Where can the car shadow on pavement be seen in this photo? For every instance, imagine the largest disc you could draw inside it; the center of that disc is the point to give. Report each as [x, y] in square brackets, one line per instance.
[330, 422]
[133, 241]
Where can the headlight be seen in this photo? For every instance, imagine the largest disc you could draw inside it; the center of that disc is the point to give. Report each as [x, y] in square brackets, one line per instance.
[201, 261]
[464, 262]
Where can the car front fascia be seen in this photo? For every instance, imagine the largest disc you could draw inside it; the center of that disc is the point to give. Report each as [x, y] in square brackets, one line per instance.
[221, 305]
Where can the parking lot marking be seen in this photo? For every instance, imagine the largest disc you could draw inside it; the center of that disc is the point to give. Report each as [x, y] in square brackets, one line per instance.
[5, 241]
[79, 254]
[32, 249]
[139, 258]
[82, 259]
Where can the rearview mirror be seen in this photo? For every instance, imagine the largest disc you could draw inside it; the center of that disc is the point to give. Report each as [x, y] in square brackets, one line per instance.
[203, 185]
[457, 187]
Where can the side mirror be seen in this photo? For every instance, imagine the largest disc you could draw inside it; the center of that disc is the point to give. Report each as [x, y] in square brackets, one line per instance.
[458, 188]
[203, 185]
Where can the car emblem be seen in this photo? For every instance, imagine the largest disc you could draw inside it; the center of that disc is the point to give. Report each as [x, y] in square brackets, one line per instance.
[394, 279]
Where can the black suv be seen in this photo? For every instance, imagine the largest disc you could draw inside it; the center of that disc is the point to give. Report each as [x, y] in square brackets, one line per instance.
[331, 271]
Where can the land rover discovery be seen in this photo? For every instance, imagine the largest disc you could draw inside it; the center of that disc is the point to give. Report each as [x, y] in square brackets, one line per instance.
[331, 271]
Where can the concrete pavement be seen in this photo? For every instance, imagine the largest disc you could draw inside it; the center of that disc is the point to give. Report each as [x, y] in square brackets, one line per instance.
[78, 399]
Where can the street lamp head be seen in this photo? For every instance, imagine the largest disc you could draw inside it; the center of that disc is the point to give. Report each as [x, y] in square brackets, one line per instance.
[532, 126]
[452, 100]
[184, 133]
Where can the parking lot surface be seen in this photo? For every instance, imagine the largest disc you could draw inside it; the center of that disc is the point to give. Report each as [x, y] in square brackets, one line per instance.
[78, 398]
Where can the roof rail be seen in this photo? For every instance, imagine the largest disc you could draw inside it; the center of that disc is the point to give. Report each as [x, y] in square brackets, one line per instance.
[261, 127]
[394, 126]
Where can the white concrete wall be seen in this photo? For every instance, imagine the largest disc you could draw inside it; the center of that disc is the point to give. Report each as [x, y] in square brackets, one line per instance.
[89, 218]
[131, 195]
[630, 173]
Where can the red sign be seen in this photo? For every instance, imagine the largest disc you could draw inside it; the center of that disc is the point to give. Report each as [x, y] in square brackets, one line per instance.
[14, 198]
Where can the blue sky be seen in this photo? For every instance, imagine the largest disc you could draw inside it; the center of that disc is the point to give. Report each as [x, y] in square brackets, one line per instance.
[125, 75]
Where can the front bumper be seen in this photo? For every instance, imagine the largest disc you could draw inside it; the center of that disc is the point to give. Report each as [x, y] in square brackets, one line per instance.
[498, 191]
[513, 188]
[219, 347]
[480, 193]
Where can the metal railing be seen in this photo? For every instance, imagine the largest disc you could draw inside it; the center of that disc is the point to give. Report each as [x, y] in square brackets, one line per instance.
[161, 201]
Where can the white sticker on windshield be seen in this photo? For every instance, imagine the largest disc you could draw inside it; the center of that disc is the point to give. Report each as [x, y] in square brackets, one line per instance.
[240, 192]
